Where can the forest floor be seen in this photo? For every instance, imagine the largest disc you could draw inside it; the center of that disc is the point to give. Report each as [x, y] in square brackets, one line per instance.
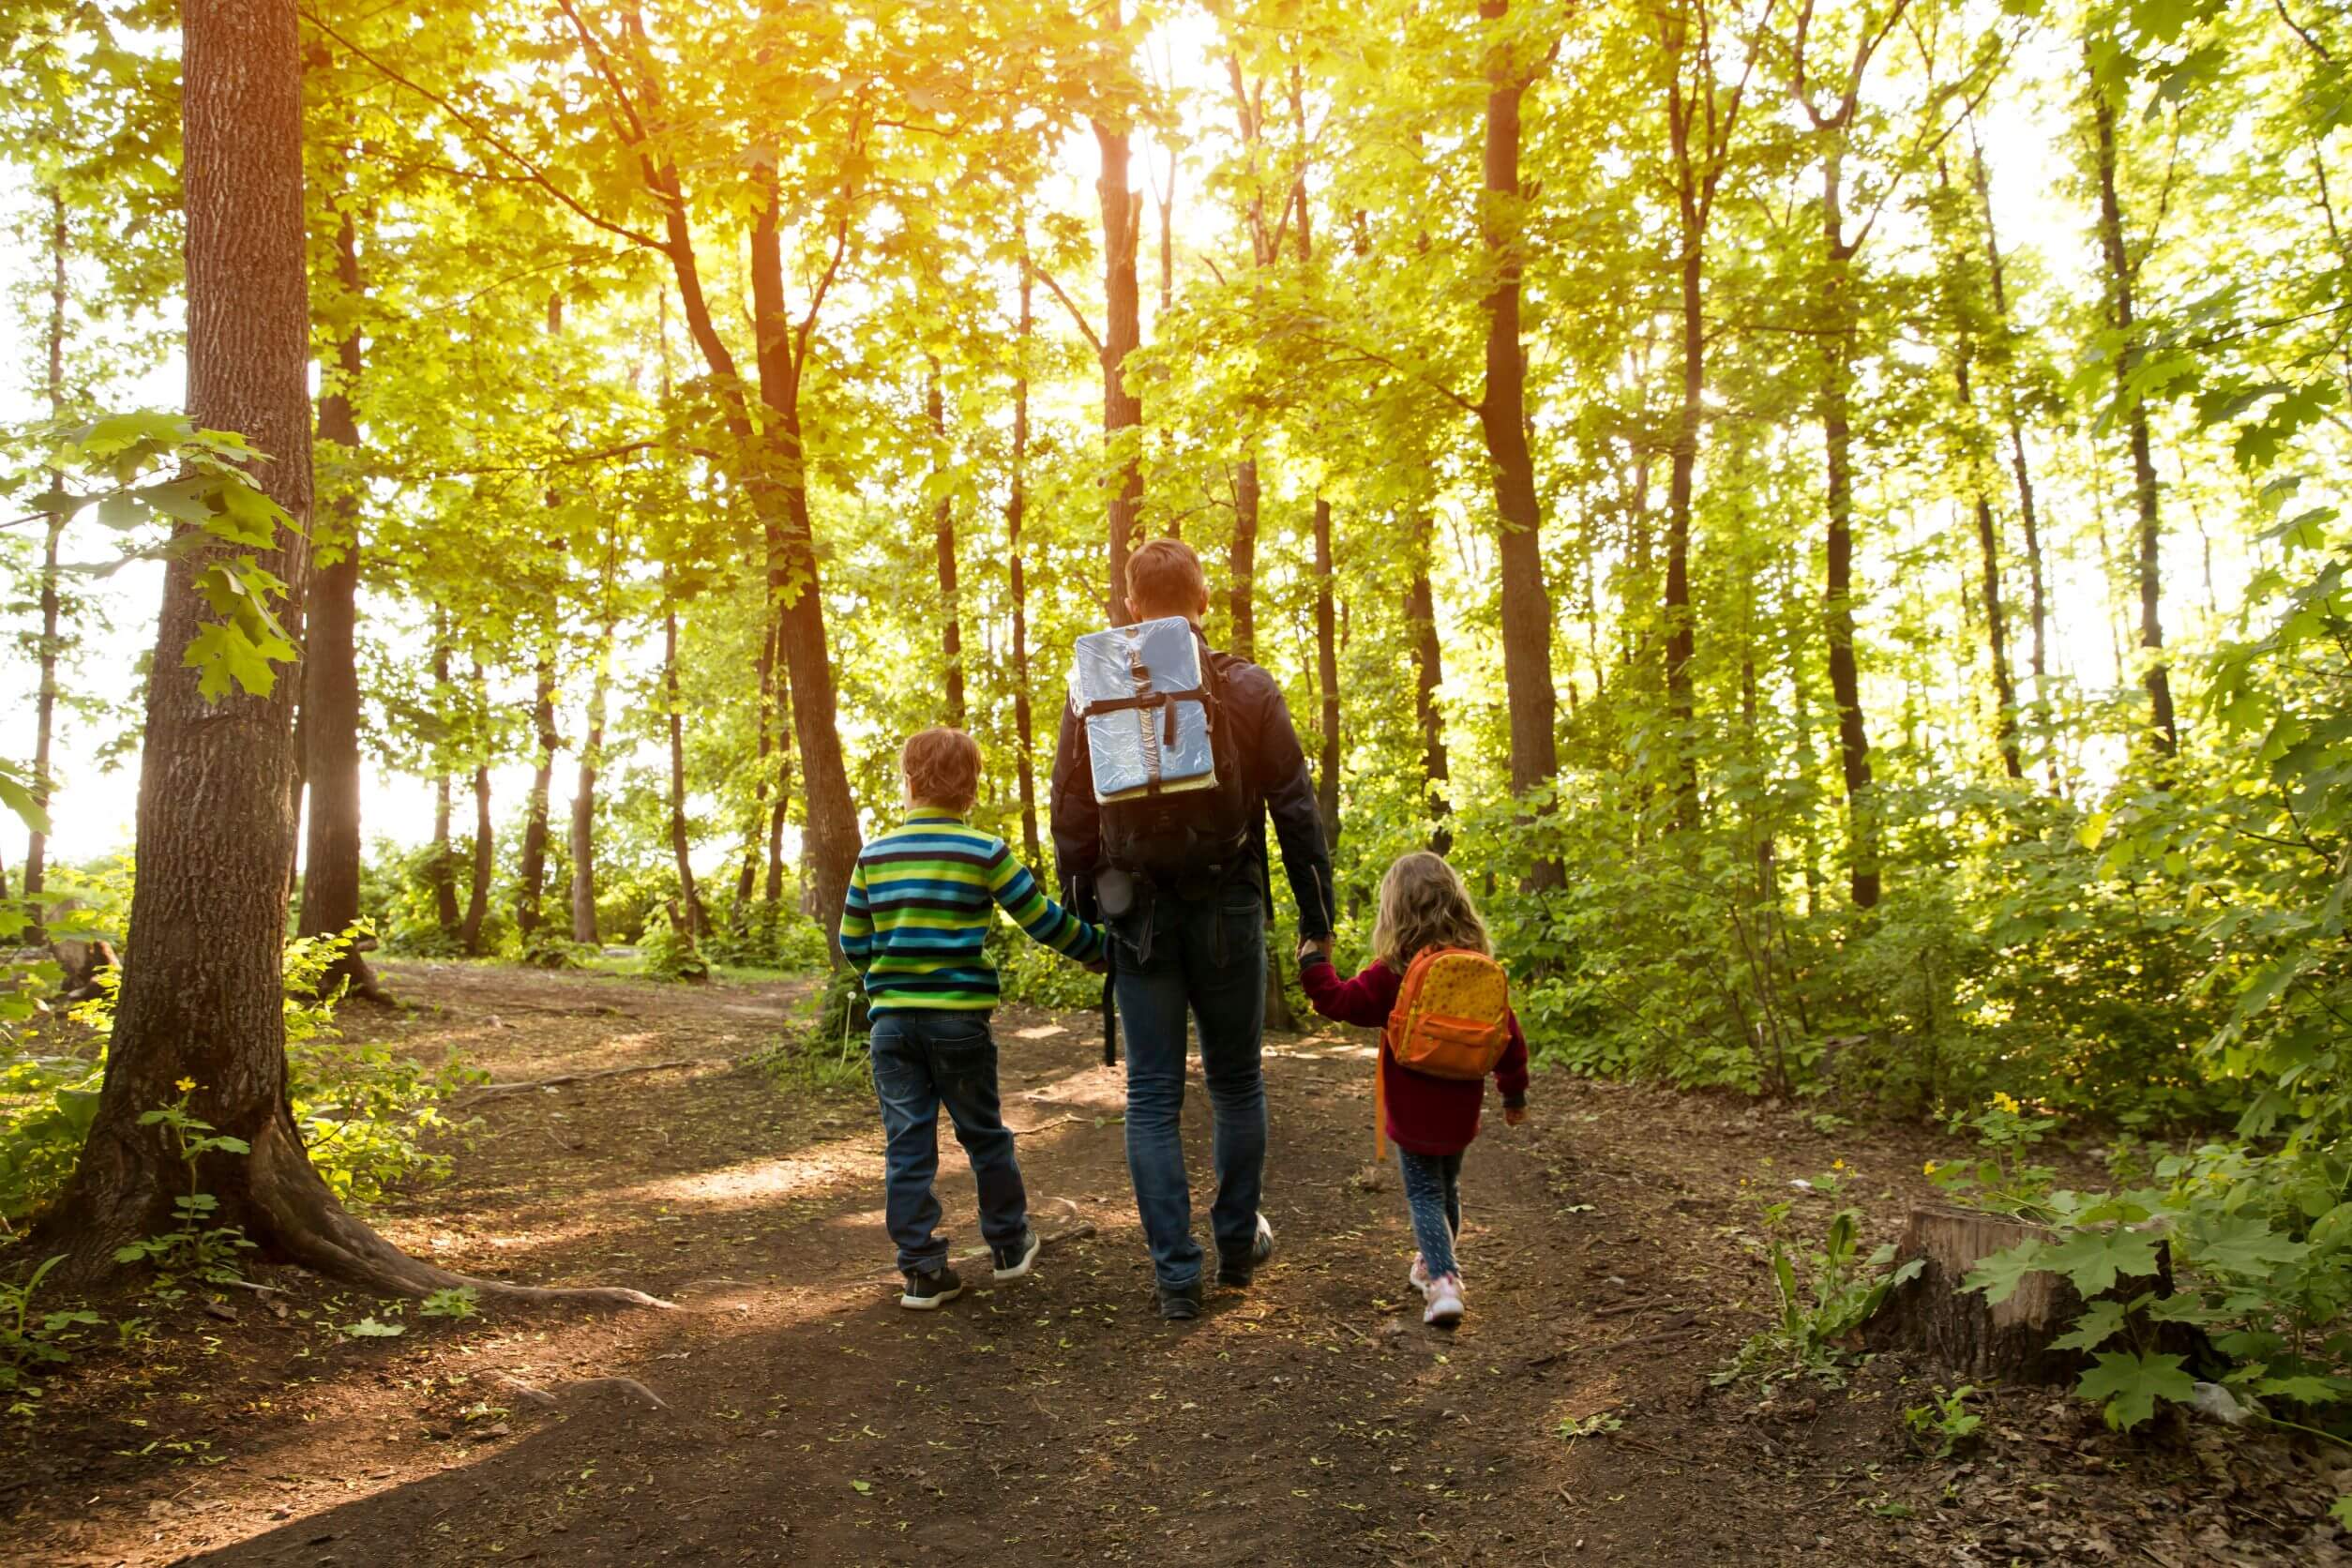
[1611, 1254]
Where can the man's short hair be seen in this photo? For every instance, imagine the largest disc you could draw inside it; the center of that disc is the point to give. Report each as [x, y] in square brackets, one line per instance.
[1165, 575]
[941, 768]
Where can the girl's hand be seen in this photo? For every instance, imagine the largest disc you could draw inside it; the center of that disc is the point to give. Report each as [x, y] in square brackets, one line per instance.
[1513, 1115]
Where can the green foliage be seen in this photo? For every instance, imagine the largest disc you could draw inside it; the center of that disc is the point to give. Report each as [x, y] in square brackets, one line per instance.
[30, 1343]
[196, 1249]
[669, 953]
[1943, 1425]
[459, 1302]
[1817, 1331]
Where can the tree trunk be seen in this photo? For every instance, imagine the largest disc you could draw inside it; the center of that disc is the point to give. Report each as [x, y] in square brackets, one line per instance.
[774, 891]
[1420, 618]
[943, 538]
[2164, 733]
[584, 798]
[1838, 439]
[1123, 412]
[764, 686]
[2029, 522]
[1682, 638]
[205, 1002]
[1527, 631]
[45, 698]
[485, 859]
[1327, 676]
[689, 901]
[330, 695]
[1241, 598]
[444, 875]
[532, 890]
[1016, 509]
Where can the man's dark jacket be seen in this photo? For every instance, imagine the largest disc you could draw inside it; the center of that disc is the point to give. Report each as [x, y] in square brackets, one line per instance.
[1274, 771]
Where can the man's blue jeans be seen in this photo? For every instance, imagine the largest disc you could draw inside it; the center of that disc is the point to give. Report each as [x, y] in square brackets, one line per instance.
[1208, 959]
[924, 1060]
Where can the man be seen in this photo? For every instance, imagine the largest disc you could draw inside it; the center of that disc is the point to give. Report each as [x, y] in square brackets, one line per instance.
[1192, 938]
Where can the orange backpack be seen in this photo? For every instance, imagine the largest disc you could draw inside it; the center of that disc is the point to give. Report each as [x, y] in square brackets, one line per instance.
[1452, 1021]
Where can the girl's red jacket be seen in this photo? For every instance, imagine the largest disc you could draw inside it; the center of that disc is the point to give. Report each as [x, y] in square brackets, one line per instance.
[1426, 1115]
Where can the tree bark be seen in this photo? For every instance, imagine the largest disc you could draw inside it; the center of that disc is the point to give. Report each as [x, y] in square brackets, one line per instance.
[689, 901]
[1241, 598]
[1016, 509]
[1527, 631]
[2028, 520]
[944, 541]
[1838, 439]
[204, 1004]
[2163, 732]
[1123, 412]
[1327, 676]
[45, 696]
[485, 859]
[442, 876]
[1420, 618]
[764, 685]
[1989, 550]
[584, 798]
[330, 694]
[531, 887]
[773, 892]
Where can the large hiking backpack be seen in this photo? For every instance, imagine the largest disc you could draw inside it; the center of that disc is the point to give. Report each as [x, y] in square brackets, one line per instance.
[1451, 1019]
[1162, 756]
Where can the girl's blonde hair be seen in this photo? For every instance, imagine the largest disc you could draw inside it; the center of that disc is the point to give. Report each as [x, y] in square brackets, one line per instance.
[1424, 904]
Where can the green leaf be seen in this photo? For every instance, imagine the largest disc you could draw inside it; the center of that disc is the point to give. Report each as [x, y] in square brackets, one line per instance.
[2094, 1259]
[2094, 1328]
[1999, 1275]
[2303, 1387]
[2241, 1243]
[2131, 1384]
[369, 1327]
[860, 1487]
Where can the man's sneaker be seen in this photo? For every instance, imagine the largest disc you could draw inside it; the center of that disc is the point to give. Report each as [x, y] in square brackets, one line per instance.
[1419, 1274]
[1239, 1267]
[926, 1292]
[1445, 1302]
[1013, 1262]
[1180, 1302]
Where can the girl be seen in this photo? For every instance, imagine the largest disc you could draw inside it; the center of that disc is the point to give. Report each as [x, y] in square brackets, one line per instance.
[1430, 1120]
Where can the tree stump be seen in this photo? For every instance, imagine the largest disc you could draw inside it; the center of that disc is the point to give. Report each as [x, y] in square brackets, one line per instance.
[1934, 1316]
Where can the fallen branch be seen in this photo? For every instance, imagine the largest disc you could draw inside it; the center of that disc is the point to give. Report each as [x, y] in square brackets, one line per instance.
[1050, 1122]
[520, 1086]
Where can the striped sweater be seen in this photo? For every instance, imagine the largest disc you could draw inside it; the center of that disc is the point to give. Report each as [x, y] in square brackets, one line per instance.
[919, 907]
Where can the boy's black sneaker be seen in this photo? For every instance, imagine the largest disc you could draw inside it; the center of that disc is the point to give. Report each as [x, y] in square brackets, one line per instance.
[926, 1292]
[1180, 1304]
[1239, 1268]
[1013, 1262]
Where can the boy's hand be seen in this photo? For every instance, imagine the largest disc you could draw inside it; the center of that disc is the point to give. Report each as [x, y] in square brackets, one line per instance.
[1513, 1115]
[1100, 966]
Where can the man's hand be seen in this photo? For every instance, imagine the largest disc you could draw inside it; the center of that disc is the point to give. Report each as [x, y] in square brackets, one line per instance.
[1098, 966]
[1318, 946]
[1513, 1115]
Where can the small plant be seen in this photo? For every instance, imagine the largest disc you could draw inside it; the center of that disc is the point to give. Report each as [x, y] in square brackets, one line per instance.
[371, 1327]
[1818, 1329]
[460, 1302]
[1945, 1422]
[27, 1342]
[669, 953]
[197, 1248]
[2002, 1180]
[1598, 1423]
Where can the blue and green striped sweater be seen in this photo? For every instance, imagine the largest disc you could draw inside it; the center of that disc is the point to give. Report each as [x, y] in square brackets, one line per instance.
[918, 909]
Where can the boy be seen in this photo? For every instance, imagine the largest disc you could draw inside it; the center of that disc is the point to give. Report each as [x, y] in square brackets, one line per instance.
[919, 904]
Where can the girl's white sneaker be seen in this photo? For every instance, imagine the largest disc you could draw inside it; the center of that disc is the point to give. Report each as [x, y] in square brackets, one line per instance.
[1444, 1295]
[1419, 1274]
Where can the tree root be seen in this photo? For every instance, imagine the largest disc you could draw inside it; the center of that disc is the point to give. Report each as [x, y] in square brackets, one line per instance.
[520, 1086]
[314, 1230]
[565, 1393]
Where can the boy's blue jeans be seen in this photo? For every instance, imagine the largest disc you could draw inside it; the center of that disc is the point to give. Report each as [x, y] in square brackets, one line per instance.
[1208, 959]
[923, 1060]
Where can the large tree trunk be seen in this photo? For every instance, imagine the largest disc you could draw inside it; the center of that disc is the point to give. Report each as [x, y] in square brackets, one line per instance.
[944, 541]
[205, 1000]
[1326, 676]
[1838, 439]
[584, 798]
[531, 888]
[1681, 631]
[2121, 272]
[484, 861]
[1420, 618]
[774, 891]
[330, 695]
[689, 901]
[1123, 412]
[45, 696]
[1526, 629]
[1016, 508]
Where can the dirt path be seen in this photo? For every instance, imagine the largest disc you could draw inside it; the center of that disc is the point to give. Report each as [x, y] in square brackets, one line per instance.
[807, 1419]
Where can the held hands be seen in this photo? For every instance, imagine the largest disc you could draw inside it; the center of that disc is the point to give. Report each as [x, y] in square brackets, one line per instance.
[1317, 946]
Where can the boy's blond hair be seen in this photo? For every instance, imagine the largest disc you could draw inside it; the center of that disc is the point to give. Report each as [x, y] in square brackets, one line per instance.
[941, 769]
[1424, 904]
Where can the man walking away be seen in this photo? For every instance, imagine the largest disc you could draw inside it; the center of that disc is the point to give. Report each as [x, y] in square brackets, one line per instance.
[1182, 886]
